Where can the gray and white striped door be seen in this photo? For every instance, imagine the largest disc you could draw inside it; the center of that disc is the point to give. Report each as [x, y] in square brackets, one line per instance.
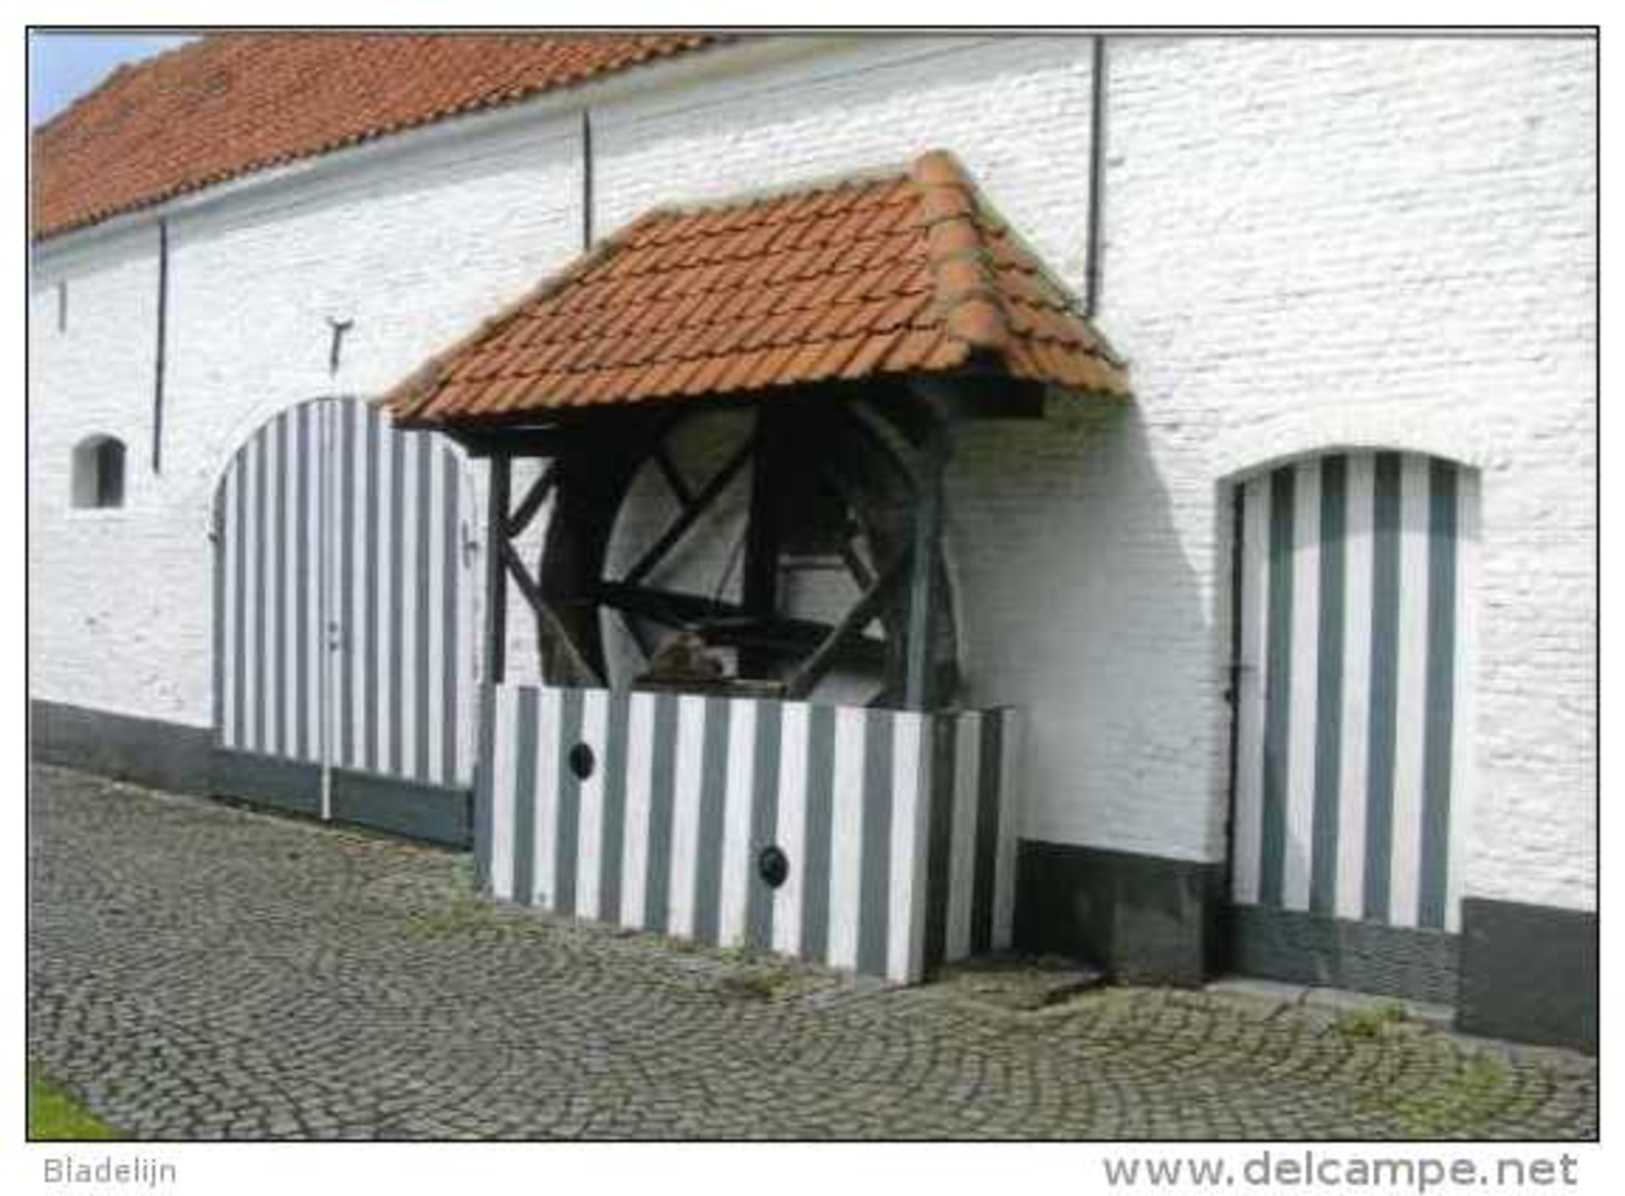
[1353, 701]
[343, 597]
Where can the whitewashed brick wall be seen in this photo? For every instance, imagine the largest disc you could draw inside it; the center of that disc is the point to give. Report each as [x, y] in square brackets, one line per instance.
[1308, 243]
[1385, 242]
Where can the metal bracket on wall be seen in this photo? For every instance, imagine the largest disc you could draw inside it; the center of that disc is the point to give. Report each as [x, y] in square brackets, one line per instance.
[339, 327]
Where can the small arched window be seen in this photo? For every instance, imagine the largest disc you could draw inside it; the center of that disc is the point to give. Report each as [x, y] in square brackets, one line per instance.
[98, 472]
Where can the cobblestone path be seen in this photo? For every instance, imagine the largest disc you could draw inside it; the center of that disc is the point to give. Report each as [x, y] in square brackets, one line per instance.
[199, 971]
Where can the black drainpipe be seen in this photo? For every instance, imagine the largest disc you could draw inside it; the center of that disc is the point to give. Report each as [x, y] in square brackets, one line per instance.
[586, 180]
[158, 372]
[1232, 693]
[1097, 176]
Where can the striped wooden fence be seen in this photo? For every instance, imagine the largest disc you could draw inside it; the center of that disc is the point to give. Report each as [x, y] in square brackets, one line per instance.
[653, 811]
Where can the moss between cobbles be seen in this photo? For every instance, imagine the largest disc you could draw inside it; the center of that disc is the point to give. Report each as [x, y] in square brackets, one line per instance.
[1459, 1102]
[1371, 1023]
[758, 984]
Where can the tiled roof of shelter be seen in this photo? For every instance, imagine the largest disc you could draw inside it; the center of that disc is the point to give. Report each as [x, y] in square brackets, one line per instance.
[905, 272]
[233, 103]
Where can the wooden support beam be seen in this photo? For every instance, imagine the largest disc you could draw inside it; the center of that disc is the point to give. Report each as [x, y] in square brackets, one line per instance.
[664, 606]
[492, 660]
[856, 619]
[496, 588]
[908, 456]
[545, 612]
[688, 515]
[776, 638]
[516, 523]
[845, 492]
[861, 573]
[481, 443]
[668, 470]
[728, 625]
[759, 573]
[917, 686]
[636, 634]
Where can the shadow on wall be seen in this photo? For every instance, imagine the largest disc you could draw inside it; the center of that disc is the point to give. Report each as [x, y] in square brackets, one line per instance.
[1081, 604]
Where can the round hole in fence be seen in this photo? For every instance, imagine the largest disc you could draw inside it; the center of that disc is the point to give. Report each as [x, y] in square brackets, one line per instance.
[773, 866]
[581, 761]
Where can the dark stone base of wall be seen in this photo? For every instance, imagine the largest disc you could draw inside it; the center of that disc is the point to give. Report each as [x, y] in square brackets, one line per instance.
[1528, 972]
[184, 760]
[1142, 919]
[411, 809]
[1300, 948]
[145, 751]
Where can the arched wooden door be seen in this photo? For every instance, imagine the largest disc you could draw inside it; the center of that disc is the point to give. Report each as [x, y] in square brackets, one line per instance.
[1353, 719]
[344, 645]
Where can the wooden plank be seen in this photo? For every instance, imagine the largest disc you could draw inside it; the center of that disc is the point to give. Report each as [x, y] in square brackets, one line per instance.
[512, 442]
[729, 625]
[861, 573]
[636, 635]
[493, 655]
[862, 612]
[922, 597]
[668, 470]
[516, 523]
[759, 578]
[544, 611]
[496, 589]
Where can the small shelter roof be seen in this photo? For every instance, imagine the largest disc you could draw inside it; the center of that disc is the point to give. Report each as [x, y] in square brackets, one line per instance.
[903, 272]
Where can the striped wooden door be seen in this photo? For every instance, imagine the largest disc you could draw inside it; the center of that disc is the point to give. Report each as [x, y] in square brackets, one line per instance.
[344, 630]
[1353, 697]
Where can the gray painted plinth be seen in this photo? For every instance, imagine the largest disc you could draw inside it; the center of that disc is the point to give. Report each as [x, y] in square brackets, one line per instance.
[431, 813]
[160, 754]
[289, 785]
[1368, 957]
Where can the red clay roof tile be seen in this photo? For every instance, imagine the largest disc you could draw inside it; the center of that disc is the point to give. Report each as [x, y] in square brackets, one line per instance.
[233, 103]
[906, 272]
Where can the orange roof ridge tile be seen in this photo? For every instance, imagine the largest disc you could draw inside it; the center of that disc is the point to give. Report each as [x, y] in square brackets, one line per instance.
[966, 286]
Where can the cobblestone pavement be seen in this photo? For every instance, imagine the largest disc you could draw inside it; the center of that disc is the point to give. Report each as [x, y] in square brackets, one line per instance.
[199, 971]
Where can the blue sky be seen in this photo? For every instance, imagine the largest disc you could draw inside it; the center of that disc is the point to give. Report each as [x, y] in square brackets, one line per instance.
[63, 66]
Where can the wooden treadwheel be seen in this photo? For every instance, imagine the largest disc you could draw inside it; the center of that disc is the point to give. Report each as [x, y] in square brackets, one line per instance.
[786, 545]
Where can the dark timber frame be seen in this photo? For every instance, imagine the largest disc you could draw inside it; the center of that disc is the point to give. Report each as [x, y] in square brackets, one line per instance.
[879, 447]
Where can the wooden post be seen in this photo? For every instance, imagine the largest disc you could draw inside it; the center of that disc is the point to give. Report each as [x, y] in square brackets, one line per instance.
[759, 579]
[918, 689]
[494, 654]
